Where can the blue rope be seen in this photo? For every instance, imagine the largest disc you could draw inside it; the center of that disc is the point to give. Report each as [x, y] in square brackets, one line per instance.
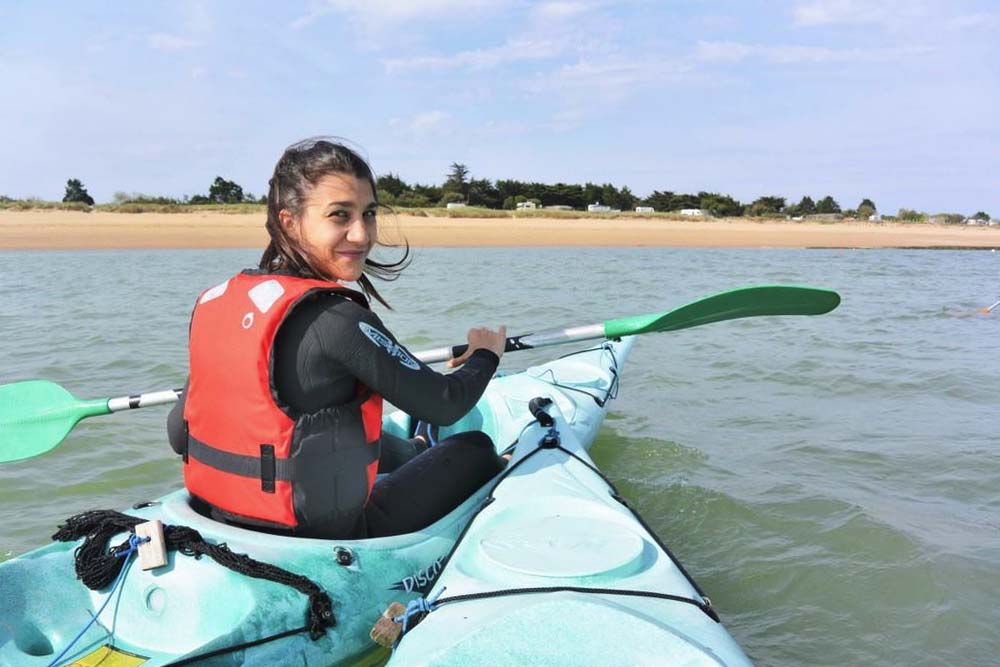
[133, 545]
[431, 441]
[418, 606]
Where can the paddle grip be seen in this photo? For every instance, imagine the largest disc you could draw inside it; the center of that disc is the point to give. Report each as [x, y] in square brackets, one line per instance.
[513, 343]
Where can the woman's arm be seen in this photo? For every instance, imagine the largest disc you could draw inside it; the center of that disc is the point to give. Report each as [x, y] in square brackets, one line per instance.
[358, 340]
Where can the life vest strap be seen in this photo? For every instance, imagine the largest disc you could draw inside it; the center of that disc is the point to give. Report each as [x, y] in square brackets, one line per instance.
[266, 467]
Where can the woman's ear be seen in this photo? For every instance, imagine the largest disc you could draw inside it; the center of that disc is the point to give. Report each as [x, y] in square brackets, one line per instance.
[287, 221]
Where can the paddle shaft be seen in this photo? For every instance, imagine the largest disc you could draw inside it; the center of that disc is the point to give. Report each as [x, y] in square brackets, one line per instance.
[522, 342]
[36, 415]
[514, 343]
[144, 400]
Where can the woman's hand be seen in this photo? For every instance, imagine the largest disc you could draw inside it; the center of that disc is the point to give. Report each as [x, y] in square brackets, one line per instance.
[482, 339]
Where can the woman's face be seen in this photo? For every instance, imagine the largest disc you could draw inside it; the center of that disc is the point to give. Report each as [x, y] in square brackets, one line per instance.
[337, 228]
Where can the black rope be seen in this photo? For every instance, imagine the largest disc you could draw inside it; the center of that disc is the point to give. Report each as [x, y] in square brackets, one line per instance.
[97, 566]
[612, 391]
[236, 647]
[573, 589]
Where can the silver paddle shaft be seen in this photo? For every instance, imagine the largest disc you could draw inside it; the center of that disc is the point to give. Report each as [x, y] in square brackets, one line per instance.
[143, 400]
[524, 342]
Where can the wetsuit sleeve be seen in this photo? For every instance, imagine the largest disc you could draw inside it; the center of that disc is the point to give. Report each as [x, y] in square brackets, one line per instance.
[177, 428]
[356, 338]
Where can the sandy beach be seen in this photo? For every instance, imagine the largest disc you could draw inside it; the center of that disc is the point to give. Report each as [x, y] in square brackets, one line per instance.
[63, 230]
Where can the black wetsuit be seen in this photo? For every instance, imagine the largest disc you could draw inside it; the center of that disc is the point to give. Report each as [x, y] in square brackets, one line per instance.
[321, 353]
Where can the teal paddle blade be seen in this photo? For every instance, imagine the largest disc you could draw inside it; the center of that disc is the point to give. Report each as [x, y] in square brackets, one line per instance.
[36, 415]
[734, 304]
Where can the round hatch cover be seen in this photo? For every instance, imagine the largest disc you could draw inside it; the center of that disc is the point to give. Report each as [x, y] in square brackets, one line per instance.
[561, 546]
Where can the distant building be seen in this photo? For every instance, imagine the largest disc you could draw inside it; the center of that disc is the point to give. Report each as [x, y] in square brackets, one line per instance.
[875, 218]
[597, 207]
[558, 207]
[824, 217]
[456, 204]
[526, 204]
[692, 211]
[645, 209]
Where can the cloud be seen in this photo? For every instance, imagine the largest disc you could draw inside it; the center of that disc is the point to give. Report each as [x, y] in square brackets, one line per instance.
[422, 123]
[393, 11]
[848, 12]
[162, 41]
[591, 86]
[974, 21]
[560, 10]
[515, 50]
[736, 52]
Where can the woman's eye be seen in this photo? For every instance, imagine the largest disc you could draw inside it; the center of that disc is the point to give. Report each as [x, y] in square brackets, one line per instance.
[370, 215]
[341, 215]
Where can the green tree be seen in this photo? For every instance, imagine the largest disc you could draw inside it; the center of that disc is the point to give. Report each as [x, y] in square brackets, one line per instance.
[661, 201]
[451, 198]
[627, 200]
[827, 205]
[457, 180]
[483, 193]
[76, 192]
[717, 205]
[592, 194]
[391, 184]
[866, 209]
[411, 199]
[806, 206]
[910, 215]
[224, 192]
[981, 215]
[765, 206]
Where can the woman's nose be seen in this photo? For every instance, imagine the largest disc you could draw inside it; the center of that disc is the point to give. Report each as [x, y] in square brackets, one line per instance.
[357, 232]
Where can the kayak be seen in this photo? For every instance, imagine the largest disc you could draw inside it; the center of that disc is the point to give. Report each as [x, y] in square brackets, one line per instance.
[538, 561]
[195, 607]
[557, 569]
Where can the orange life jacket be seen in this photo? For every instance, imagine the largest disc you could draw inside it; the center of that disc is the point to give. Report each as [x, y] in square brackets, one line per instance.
[252, 457]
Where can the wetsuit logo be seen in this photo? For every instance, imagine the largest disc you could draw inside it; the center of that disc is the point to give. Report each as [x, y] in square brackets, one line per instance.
[419, 579]
[383, 341]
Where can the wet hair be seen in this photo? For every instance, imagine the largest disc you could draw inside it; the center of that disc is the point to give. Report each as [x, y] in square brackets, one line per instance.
[300, 168]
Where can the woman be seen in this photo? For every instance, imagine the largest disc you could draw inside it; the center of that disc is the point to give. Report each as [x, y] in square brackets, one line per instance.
[280, 425]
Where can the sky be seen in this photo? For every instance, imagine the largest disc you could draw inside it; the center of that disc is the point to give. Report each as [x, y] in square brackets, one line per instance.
[893, 100]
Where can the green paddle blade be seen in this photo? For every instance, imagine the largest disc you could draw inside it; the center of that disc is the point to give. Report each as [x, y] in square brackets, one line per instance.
[36, 415]
[731, 305]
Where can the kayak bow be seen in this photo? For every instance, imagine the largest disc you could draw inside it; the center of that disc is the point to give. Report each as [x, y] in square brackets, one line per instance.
[557, 569]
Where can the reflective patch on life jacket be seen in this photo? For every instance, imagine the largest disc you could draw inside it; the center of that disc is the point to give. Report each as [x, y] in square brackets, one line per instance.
[214, 292]
[265, 294]
[382, 340]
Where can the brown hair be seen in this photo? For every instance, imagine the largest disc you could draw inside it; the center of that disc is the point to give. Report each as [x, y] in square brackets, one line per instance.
[301, 166]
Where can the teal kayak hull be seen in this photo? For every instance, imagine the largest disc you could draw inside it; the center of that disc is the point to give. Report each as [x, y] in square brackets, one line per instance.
[557, 569]
[193, 606]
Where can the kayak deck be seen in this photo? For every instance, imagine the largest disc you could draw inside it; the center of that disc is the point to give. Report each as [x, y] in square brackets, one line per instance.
[556, 570]
[193, 606]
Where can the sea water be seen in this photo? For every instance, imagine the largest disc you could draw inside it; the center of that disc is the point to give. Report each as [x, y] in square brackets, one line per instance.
[832, 482]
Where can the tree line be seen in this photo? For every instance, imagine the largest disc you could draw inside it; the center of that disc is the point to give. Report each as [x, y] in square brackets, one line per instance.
[460, 187]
